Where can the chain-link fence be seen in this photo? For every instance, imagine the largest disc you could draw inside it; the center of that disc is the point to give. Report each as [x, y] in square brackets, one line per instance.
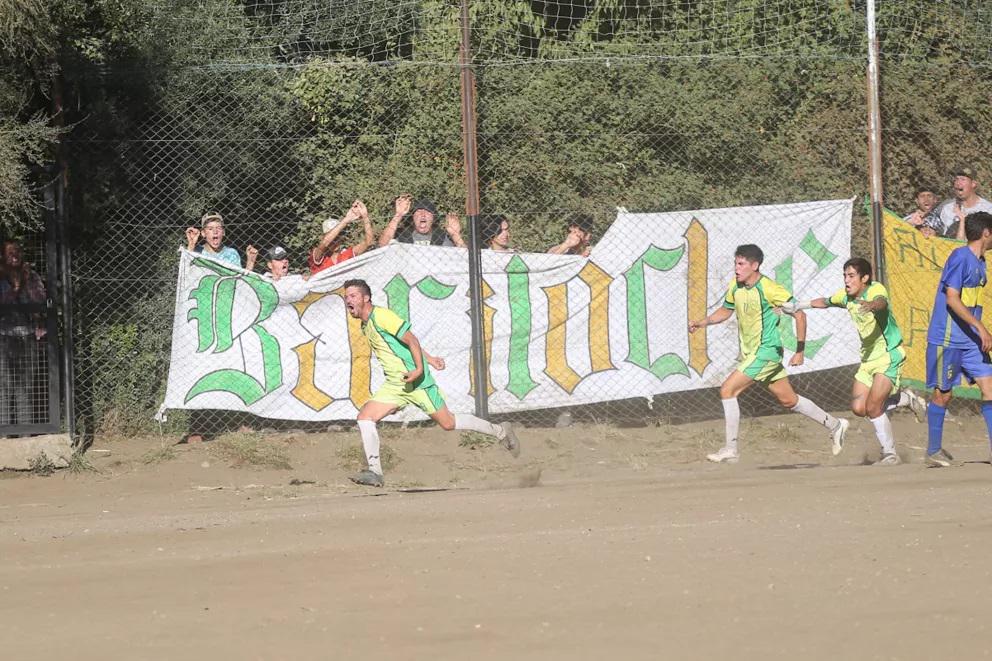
[600, 125]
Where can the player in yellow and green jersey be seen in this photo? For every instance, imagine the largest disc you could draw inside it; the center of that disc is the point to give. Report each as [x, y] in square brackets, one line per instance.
[408, 381]
[755, 298]
[876, 384]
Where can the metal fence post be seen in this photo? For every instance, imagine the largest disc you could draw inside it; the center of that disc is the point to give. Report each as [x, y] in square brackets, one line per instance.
[875, 145]
[470, 148]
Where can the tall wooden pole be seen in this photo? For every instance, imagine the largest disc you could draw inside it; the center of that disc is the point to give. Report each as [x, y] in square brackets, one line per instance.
[470, 149]
[875, 147]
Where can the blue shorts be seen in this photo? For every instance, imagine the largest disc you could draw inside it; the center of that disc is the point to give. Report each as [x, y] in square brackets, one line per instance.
[945, 365]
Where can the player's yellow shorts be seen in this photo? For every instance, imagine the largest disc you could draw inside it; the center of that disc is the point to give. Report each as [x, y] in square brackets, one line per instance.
[429, 399]
[890, 364]
[761, 369]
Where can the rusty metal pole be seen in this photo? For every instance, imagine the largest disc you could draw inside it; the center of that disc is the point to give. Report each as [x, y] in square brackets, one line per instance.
[469, 147]
[875, 146]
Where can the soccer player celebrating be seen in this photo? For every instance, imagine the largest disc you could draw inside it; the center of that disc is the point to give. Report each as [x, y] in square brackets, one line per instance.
[408, 381]
[754, 297]
[957, 341]
[876, 384]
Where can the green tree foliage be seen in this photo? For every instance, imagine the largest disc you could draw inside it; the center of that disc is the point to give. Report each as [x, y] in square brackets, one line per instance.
[277, 113]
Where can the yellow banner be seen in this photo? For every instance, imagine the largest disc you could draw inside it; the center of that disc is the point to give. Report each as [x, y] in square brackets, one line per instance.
[913, 264]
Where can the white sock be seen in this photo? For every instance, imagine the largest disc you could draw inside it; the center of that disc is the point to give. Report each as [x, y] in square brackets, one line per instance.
[883, 429]
[468, 422]
[370, 441]
[814, 412]
[897, 401]
[732, 420]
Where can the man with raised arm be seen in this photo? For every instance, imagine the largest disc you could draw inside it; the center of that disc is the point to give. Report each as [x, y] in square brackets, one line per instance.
[876, 384]
[328, 250]
[754, 298]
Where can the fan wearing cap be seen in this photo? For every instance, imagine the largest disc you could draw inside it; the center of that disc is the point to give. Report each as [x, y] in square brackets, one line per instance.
[278, 263]
[422, 230]
[328, 251]
[211, 230]
[947, 218]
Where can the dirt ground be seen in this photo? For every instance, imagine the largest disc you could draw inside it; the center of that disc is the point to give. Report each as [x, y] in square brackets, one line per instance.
[597, 542]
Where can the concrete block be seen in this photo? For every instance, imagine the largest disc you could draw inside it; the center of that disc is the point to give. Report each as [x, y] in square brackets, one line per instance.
[18, 453]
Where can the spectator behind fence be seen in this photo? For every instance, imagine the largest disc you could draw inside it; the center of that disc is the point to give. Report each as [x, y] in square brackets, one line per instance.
[495, 233]
[328, 251]
[278, 263]
[212, 232]
[925, 200]
[578, 239]
[20, 333]
[947, 218]
[421, 231]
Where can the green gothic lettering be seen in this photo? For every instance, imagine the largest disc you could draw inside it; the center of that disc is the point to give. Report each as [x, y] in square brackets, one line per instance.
[639, 352]
[213, 314]
[518, 285]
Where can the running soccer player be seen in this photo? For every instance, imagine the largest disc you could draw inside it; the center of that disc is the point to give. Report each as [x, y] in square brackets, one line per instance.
[876, 384]
[754, 298]
[408, 381]
[957, 341]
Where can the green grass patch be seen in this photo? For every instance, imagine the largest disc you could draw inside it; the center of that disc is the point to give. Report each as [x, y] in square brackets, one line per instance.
[79, 464]
[41, 465]
[473, 440]
[250, 451]
[160, 454]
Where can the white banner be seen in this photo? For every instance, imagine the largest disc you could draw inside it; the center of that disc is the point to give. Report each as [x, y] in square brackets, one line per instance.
[560, 330]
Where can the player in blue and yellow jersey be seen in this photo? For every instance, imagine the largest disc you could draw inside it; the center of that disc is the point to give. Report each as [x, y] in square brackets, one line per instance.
[957, 340]
[755, 298]
[876, 384]
[408, 381]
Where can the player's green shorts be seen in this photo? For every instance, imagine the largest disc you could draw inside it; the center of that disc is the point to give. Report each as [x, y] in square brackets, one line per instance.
[761, 369]
[429, 399]
[890, 364]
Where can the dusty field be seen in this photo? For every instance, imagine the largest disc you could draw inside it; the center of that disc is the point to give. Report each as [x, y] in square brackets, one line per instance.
[597, 543]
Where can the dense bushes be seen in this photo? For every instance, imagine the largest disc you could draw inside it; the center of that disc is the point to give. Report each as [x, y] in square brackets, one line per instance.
[278, 116]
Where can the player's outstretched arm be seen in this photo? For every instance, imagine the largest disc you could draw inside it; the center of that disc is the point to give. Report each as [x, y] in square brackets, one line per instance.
[718, 317]
[792, 307]
[958, 308]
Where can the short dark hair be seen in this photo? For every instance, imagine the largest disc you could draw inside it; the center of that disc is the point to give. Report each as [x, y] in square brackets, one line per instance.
[975, 223]
[581, 220]
[750, 252]
[361, 284]
[924, 189]
[861, 265]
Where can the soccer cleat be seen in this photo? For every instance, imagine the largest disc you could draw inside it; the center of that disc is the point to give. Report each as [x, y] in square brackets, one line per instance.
[940, 459]
[889, 459]
[724, 455]
[510, 440]
[917, 405]
[837, 436]
[368, 478]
